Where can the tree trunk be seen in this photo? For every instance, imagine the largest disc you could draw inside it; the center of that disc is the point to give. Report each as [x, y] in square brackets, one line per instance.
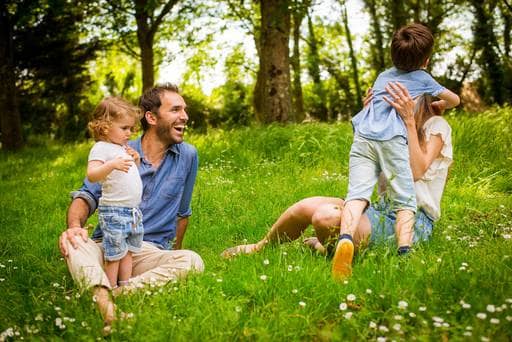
[398, 14]
[320, 108]
[147, 63]
[298, 100]
[379, 62]
[145, 40]
[274, 73]
[10, 121]
[485, 40]
[353, 59]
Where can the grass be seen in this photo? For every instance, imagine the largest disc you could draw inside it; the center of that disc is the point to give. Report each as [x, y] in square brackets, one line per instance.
[247, 177]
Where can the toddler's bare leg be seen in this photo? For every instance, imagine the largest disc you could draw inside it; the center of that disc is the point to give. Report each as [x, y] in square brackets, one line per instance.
[125, 267]
[404, 229]
[112, 271]
[350, 217]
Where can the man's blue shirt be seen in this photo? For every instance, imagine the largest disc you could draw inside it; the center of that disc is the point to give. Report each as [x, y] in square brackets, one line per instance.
[380, 121]
[166, 195]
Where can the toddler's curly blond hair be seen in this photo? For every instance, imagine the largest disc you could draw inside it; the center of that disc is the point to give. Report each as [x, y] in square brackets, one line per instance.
[106, 112]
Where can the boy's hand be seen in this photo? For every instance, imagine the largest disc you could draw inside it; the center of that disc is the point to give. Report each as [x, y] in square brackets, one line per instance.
[121, 164]
[438, 107]
[134, 154]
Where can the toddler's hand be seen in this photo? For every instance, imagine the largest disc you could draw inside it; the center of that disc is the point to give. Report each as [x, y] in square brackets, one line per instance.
[438, 107]
[121, 164]
[134, 154]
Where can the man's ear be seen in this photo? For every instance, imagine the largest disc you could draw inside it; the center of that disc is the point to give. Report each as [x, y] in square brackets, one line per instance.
[150, 117]
[426, 62]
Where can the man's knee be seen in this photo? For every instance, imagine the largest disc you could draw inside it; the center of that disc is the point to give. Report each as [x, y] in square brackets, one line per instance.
[195, 260]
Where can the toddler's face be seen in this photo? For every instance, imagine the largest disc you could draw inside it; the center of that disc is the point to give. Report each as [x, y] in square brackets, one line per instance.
[121, 130]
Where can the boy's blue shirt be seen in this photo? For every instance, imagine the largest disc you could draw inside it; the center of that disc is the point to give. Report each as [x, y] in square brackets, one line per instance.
[380, 121]
[167, 192]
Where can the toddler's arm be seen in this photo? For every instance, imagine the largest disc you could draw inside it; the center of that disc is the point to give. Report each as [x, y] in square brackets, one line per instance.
[98, 170]
[448, 99]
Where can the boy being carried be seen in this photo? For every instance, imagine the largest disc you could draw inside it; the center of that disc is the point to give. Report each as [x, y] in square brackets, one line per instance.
[380, 143]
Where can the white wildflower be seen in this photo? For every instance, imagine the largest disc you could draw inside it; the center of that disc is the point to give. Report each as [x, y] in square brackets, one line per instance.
[491, 308]
[266, 262]
[348, 315]
[402, 305]
[343, 306]
[263, 277]
[383, 328]
[494, 321]
[351, 297]
[372, 325]
[397, 327]
[302, 304]
[481, 315]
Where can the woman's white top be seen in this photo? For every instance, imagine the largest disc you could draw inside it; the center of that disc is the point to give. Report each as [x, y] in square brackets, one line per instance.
[429, 189]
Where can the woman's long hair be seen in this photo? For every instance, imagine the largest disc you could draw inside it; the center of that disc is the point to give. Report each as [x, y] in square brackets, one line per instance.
[424, 111]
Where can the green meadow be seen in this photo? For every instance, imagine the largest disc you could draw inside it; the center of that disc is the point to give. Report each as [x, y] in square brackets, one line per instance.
[456, 287]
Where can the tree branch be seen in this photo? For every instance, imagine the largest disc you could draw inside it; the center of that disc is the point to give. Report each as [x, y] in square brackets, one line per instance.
[167, 8]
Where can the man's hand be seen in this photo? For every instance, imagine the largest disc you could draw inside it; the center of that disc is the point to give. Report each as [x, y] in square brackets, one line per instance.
[121, 164]
[70, 235]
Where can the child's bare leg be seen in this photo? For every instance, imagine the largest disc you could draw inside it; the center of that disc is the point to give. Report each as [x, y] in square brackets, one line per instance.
[350, 217]
[125, 269]
[288, 227]
[112, 271]
[404, 230]
[106, 307]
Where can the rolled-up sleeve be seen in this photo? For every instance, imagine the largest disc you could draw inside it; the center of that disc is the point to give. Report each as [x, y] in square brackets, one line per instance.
[185, 209]
[89, 192]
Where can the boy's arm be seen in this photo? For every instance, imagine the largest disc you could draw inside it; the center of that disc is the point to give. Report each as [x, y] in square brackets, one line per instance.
[448, 100]
[98, 170]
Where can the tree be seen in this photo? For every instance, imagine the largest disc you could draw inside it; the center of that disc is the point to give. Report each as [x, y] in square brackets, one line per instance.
[148, 15]
[299, 10]
[10, 121]
[272, 91]
[319, 109]
[485, 41]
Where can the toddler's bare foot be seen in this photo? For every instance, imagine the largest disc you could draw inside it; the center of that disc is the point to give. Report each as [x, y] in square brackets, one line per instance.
[106, 307]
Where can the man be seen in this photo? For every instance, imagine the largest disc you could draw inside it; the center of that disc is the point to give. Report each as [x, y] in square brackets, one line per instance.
[168, 171]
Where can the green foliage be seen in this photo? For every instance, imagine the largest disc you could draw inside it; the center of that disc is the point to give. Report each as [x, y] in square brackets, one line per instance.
[51, 61]
[247, 177]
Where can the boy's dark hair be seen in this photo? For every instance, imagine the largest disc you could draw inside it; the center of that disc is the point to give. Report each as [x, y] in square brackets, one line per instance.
[150, 101]
[411, 46]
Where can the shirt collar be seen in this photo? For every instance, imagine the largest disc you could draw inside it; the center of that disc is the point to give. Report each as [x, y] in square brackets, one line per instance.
[137, 146]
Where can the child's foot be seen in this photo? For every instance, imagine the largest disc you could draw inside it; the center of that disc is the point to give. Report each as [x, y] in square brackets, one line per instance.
[342, 261]
[241, 249]
[404, 250]
[106, 307]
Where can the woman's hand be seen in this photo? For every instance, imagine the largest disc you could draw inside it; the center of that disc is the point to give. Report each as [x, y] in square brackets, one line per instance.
[402, 101]
[368, 97]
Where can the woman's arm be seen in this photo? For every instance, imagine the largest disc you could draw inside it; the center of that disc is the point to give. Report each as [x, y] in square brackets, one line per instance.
[404, 104]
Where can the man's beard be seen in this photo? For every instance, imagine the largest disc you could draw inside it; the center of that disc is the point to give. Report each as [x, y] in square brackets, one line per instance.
[163, 131]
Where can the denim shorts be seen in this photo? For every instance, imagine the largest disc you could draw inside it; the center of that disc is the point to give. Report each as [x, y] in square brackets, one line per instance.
[383, 220]
[368, 158]
[122, 231]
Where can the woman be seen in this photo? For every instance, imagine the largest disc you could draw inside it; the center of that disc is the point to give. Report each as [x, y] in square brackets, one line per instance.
[430, 151]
